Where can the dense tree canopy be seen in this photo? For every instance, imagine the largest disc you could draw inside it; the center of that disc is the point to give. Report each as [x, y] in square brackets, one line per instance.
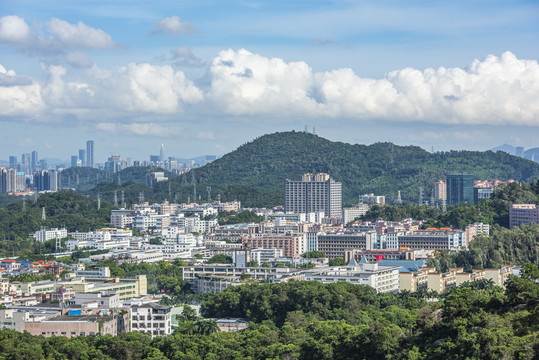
[308, 320]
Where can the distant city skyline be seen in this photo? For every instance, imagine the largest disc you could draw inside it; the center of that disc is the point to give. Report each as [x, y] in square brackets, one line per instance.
[134, 75]
[158, 151]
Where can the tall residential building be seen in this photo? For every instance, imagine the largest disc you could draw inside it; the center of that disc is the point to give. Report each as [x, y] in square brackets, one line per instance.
[460, 189]
[12, 162]
[440, 190]
[35, 160]
[3, 180]
[45, 180]
[26, 163]
[314, 193]
[90, 153]
[53, 180]
[82, 157]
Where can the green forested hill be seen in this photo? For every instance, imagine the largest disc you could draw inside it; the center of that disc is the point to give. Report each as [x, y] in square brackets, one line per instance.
[62, 209]
[381, 168]
[256, 171]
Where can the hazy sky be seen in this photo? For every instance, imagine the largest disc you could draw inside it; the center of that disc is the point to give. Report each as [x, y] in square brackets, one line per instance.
[203, 77]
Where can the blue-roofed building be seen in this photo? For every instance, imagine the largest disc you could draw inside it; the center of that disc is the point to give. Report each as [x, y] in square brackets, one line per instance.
[405, 265]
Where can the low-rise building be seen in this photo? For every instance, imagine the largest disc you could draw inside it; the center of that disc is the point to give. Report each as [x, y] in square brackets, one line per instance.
[381, 278]
[152, 319]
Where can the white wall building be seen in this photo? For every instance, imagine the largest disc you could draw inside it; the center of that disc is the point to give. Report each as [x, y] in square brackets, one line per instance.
[151, 318]
[45, 235]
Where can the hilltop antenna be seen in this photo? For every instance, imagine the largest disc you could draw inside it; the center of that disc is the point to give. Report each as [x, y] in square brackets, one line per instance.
[306, 129]
[115, 199]
[420, 196]
[314, 130]
[399, 199]
[43, 215]
[208, 189]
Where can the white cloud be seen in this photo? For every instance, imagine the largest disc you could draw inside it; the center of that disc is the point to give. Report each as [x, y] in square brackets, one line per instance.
[59, 38]
[495, 91]
[18, 96]
[172, 25]
[13, 29]
[244, 83]
[183, 56]
[136, 88]
[80, 35]
[498, 90]
[140, 129]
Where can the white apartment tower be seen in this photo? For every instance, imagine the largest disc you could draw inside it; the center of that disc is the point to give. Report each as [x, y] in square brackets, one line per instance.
[314, 193]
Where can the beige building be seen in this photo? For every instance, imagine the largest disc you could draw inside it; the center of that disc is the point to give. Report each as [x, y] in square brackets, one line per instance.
[429, 279]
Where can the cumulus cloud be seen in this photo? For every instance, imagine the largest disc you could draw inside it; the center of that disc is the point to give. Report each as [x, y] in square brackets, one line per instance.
[495, 91]
[244, 83]
[172, 25]
[498, 90]
[13, 29]
[18, 95]
[133, 88]
[183, 56]
[140, 129]
[136, 88]
[59, 37]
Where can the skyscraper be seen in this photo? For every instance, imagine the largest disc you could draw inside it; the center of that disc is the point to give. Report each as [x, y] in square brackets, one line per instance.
[82, 157]
[35, 160]
[26, 163]
[162, 153]
[460, 189]
[53, 180]
[314, 193]
[12, 162]
[90, 153]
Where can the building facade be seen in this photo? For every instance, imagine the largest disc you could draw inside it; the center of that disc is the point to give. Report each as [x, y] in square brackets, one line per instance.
[460, 189]
[314, 193]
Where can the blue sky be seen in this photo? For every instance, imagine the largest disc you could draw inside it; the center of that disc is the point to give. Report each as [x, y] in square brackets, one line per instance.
[203, 77]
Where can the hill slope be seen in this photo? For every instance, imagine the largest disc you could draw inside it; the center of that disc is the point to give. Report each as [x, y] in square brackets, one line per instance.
[381, 168]
[255, 172]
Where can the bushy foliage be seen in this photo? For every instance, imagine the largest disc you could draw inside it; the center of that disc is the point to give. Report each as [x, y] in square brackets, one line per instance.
[335, 321]
[62, 209]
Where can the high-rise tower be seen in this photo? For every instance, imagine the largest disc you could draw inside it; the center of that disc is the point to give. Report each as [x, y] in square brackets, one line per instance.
[314, 193]
[90, 153]
[460, 189]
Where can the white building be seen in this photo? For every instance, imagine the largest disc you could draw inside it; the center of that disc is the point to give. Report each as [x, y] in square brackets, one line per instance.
[45, 235]
[351, 213]
[381, 278]
[151, 318]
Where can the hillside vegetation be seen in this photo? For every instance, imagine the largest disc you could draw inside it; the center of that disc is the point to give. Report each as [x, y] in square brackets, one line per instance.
[256, 171]
[62, 209]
